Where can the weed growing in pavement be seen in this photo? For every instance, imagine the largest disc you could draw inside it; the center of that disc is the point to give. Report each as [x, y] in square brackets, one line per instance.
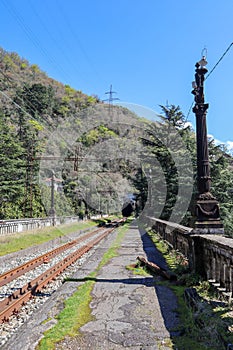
[47, 320]
[77, 311]
[210, 324]
[138, 270]
[75, 314]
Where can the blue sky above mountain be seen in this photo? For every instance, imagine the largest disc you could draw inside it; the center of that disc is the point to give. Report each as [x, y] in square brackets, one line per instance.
[146, 50]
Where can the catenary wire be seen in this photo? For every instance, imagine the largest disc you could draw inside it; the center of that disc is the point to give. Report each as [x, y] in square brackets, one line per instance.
[69, 145]
[55, 41]
[68, 24]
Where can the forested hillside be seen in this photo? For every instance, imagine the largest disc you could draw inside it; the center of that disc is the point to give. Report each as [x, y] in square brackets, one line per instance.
[101, 155]
[31, 106]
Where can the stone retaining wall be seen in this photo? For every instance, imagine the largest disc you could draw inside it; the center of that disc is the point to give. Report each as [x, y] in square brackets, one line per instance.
[209, 255]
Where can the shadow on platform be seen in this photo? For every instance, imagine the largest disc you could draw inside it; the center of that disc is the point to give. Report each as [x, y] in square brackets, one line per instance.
[146, 281]
[167, 299]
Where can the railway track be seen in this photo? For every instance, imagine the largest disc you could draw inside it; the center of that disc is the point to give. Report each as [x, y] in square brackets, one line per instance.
[12, 304]
[12, 274]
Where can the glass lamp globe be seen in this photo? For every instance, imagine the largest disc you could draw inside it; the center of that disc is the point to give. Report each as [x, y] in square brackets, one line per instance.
[203, 62]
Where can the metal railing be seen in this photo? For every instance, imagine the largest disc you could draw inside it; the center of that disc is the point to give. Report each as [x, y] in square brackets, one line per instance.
[21, 225]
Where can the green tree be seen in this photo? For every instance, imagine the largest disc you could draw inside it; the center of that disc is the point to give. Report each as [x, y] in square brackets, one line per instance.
[165, 147]
[37, 99]
[97, 135]
[221, 165]
[12, 175]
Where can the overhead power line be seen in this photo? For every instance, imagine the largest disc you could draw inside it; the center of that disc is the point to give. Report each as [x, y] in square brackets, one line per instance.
[33, 38]
[220, 59]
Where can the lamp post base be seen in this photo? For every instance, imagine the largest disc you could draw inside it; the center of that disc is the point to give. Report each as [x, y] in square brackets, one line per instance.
[208, 217]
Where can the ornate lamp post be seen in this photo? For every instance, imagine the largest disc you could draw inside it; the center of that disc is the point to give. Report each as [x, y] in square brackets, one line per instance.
[207, 207]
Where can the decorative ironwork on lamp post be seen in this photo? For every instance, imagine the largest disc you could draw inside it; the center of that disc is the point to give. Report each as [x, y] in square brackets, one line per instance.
[207, 207]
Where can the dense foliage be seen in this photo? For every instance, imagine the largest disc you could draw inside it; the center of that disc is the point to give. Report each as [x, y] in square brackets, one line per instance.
[33, 106]
[221, 165]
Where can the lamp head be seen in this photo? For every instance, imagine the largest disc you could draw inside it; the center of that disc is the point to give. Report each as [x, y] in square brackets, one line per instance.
[203, 62]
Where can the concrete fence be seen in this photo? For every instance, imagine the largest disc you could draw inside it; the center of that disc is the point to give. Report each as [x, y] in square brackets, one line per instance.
[17, 226]
[209, 255]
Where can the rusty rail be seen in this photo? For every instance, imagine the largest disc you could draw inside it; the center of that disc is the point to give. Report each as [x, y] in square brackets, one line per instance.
[12, 274]
[12, 304]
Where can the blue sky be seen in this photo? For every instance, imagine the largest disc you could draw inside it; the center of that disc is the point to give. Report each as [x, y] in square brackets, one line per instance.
[146, 49]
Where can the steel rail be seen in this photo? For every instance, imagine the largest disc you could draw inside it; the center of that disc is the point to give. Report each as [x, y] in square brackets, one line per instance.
[18, 271]
[13, 303]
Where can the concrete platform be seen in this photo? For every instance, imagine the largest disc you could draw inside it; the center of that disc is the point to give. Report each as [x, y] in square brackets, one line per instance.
[130, 311]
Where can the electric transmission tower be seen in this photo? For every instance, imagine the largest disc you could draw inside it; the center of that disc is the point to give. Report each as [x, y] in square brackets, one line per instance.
[111, 98]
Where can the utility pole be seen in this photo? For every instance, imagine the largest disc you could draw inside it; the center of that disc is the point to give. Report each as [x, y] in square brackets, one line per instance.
[150, 188]
[207, 207]
[75, 159]
[52, 211]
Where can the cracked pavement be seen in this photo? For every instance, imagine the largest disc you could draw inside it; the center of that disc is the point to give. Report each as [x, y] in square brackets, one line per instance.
[127, 312]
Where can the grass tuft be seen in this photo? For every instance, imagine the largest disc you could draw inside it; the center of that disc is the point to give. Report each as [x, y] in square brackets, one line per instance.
[77, 311]
[15, 242]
